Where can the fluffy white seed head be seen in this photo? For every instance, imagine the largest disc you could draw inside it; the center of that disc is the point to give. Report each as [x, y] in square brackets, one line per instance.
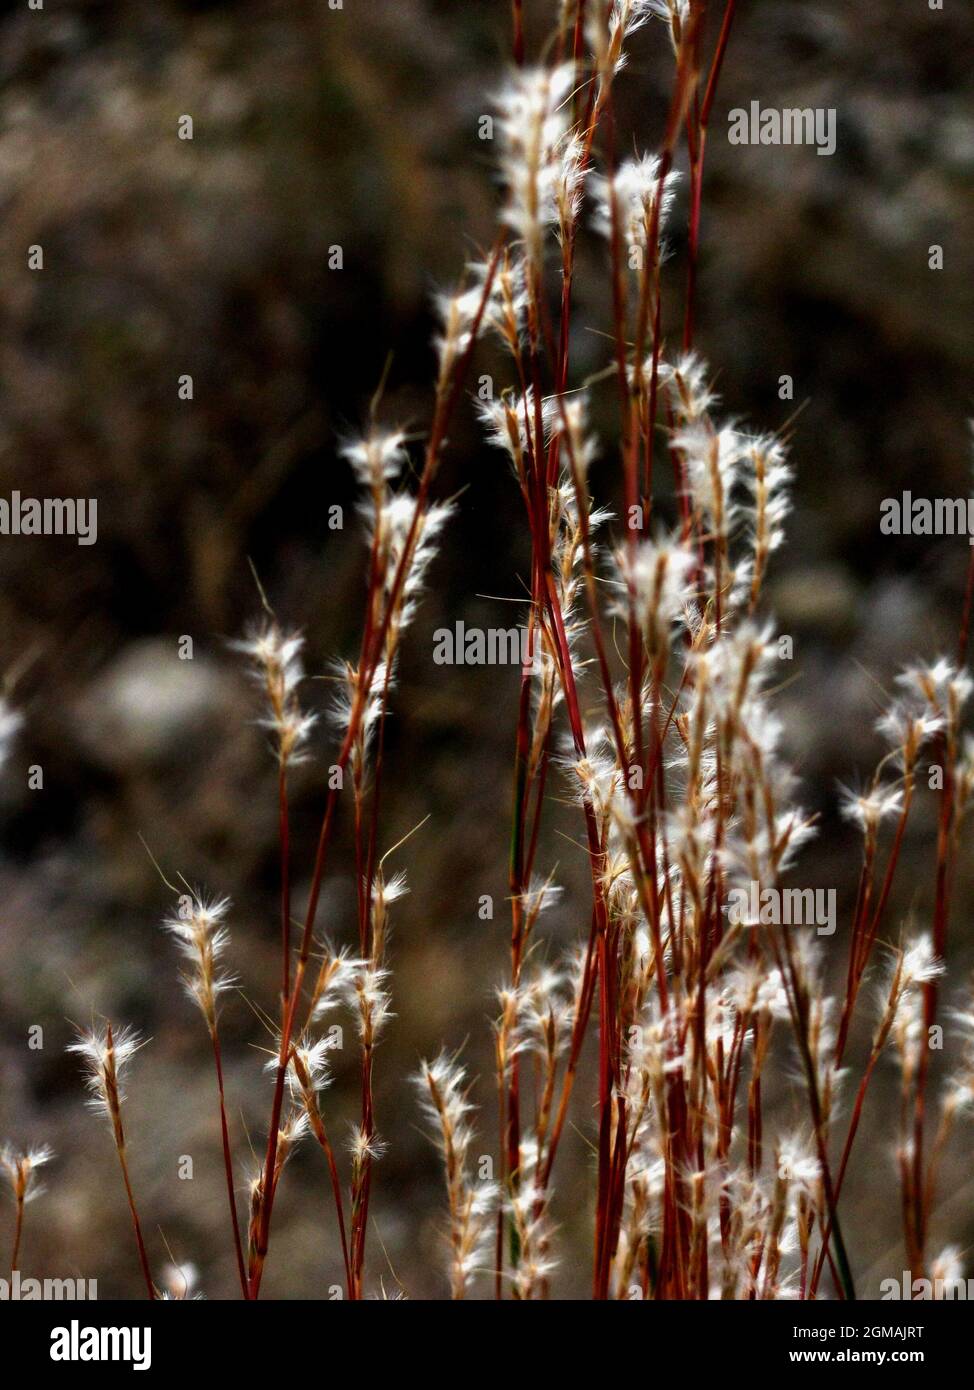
[653, 579]
[941, 686]
[20, 1167]
[105, 1055]
[179, 1282]
[277, 668]
[307, 1071]
[336, 980]
[627, 199]
[344, 701]
[869, 809]
[675, 14]
[608, 28]
[686, 383]
[920, 964]
[10, 722]
[713, 464]
[198, 928]
[377, 458]
[535, 163]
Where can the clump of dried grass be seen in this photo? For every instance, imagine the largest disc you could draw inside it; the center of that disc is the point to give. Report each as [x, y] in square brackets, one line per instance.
[674, 755]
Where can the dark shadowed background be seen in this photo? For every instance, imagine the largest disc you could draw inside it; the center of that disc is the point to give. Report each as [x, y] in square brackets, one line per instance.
[358, 128]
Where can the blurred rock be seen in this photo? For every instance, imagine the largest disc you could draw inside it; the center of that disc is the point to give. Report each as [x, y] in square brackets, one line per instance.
[148, 706]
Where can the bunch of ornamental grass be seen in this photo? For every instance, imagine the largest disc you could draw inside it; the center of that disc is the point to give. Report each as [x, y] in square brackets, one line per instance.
[648, 693]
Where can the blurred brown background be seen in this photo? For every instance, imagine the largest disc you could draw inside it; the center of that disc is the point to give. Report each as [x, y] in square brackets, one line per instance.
[358, 128]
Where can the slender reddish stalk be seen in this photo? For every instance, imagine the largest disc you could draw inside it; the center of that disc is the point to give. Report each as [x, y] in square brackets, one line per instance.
[133, 1209]
[930, 993]
[517, 9]
[285, 851]
[18, 1232]
[228, 1165]
[696, 172]
[318, 1129]
[965, 622]
[137, 1226]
